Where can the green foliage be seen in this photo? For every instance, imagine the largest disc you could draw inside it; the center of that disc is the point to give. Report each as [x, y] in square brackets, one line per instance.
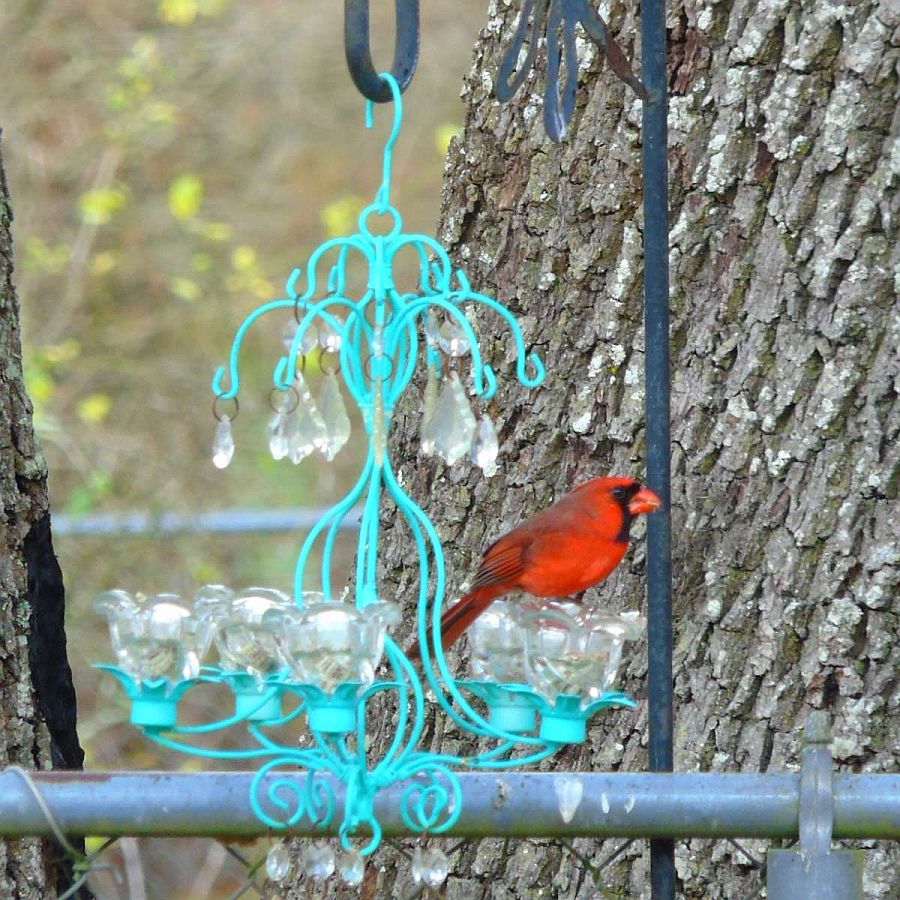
[185, 195]
[98, 205]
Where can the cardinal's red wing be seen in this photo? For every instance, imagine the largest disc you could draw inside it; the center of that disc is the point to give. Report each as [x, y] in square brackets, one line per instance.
[503, 561]
[561, 562]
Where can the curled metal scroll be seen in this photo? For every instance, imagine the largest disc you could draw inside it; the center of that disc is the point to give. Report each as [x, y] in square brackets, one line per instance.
[359, 52]
[557, 19]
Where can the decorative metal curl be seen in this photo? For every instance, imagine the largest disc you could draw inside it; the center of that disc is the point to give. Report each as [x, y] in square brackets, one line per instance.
[313, 798]
[432, 801]
[557, 20]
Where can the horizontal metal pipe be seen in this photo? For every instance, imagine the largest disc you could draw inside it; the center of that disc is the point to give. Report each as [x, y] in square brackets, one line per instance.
[680, 805]
[222, 521]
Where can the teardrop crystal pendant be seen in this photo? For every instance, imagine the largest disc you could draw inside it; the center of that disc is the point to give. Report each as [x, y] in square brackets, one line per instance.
[329, 336]
[223, 444]
[453, 424]
[430, 866]
[334, 415]
[318, 860]
[308, 342]
[452, 338]
[429, 405]
[568, 797]
[352, 867]
[432, 332]
[379, 431]
[278, 435]
[485, 446]
[278, 427]
[278, 862]
[305, 428]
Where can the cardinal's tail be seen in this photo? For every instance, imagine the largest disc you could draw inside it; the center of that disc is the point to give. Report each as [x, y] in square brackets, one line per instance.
[459, 617]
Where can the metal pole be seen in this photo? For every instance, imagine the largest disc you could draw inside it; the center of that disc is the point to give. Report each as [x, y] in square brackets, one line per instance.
[656, 372]
[502, 804]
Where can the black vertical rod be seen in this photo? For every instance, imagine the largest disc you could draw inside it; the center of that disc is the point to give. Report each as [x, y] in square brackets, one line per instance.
[656, 373]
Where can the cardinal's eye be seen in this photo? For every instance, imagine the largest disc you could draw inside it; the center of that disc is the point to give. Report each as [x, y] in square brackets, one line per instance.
[619, 493]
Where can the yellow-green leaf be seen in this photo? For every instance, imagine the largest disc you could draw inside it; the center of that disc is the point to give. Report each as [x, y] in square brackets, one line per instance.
[185, 195]
[99, 205]
[243, 258]
[94, 408]
[186, 288]
[216, 231]
[178, 12]
[339, 217]
[104, 262]
[443, 134]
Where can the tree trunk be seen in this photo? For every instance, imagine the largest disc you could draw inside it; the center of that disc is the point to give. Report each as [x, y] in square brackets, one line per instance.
[37, 701]
[784, 403]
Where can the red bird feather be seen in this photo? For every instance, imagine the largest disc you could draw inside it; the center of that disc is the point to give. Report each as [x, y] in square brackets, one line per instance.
[562, 550]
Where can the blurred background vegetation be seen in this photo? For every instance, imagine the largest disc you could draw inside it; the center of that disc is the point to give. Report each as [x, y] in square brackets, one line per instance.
[170, 162]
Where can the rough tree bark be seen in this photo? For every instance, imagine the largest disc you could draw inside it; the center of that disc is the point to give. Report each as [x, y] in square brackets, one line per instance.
[785, 333]
[37, 700]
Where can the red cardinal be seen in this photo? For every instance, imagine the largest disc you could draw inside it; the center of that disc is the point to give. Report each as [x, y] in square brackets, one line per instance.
[562, 550]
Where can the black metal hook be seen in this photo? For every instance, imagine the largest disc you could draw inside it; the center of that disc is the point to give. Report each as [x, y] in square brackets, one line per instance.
[359, 52]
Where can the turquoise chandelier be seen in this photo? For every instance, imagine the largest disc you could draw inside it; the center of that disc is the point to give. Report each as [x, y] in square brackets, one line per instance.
[318, 660]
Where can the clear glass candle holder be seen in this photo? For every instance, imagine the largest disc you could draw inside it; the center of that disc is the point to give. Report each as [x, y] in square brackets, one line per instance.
[154, 637]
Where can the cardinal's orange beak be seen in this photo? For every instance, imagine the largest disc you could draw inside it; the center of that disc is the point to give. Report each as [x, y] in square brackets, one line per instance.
[643, 501]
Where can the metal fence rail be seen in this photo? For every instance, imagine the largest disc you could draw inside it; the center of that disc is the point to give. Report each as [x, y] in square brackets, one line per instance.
[517, 805]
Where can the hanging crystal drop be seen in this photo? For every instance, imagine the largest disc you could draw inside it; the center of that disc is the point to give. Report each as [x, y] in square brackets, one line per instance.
[452, 338]
[334, 414]
[223, 444]
[417, 864]
[485, 446]
[379, 437]
[305, 428]
[432, 335]
[435, 867]
[308, 342]
[429, 405]
[329, 336]
[278, 862]
[318, 860]
[278, 432]
[352, 867]
[568, 797]
[288, 332]
[453, 424]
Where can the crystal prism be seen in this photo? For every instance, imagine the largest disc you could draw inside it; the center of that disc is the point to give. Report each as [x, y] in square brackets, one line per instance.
[329, 337]
[318, 860]
[435, 867]
[223, 444]
[334, 415]
[417, 864]
[305, 427]
[432, 334]
[452, 426]
[278, 862]
[308, 342]
[351, 867]
[485, 447]
[568, 797]
[452, 338]
[278, 435]
[429, 404]
[379, 431]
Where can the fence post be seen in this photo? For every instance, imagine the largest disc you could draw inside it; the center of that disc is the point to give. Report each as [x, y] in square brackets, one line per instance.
[815, 870]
